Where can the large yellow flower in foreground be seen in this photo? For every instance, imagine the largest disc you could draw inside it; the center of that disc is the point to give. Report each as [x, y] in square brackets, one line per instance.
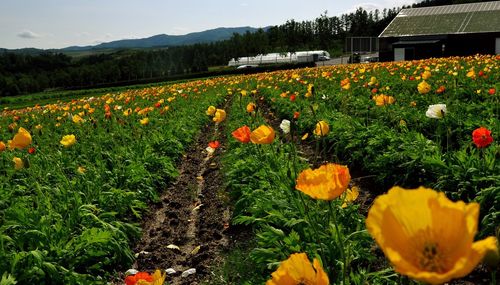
[426, 236]
[327, 182]
[21, 140]
[297, 269]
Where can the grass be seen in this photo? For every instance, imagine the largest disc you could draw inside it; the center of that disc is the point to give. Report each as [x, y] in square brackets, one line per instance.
[238, 267]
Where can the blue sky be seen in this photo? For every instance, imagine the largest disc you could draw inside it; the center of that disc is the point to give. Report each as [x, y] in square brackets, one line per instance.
[62, 23]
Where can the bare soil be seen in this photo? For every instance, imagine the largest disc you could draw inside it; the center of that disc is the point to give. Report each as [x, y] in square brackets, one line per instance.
[189, 226]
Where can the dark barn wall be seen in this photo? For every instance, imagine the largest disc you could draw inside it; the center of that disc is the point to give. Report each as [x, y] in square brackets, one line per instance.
[469, 44]
[455, 45]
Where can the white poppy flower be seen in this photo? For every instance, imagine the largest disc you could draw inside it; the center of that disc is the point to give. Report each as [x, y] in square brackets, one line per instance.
[436, 111]
[285, 126]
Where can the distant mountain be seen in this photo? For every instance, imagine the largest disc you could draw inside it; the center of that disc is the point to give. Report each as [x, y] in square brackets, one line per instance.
[213, 35]
[162, 40]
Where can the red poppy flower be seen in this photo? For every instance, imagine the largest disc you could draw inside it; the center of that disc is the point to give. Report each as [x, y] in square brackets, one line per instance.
[214, 144]
[491, 91]
[296, 115]
[482, 137]
[133, 279]
[242, 134]
[292, 97]
[31, 150]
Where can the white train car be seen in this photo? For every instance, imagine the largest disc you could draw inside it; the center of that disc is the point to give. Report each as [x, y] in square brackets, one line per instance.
[277, 58]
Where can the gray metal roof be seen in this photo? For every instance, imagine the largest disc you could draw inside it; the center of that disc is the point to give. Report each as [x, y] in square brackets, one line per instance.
[451, 19]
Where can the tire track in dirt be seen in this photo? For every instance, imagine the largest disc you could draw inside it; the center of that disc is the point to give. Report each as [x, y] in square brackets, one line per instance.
[188, 227]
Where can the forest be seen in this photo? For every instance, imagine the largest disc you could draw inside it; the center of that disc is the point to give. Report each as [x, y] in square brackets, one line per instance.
[26, 73]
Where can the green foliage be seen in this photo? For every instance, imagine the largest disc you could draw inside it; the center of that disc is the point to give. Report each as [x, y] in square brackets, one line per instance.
[71, 215]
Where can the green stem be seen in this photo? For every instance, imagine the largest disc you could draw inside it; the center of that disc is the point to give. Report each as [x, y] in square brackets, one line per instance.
[315, 229]
[340, 241]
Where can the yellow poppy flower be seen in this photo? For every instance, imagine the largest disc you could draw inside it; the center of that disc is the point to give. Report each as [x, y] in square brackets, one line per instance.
[2, 146]
[350, 196]
[81, 170]
[426, 236]
[297, 269]
[220, 115]
[327, 182]
[21, 140]
[144, 121]
[18, 163]
[310, 89]
[77, 119]
[426, 75]
[423, 87]
[322, 129]
[262, 135]
[127, 112]
[68, 140]
[211, 111]
[345, 84]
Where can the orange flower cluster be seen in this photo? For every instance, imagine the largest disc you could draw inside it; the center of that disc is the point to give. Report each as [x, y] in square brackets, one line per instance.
[262, 135]
[144, 278]
[381, 100]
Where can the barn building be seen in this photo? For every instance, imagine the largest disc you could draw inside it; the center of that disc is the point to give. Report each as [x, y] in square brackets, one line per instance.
[462, 29]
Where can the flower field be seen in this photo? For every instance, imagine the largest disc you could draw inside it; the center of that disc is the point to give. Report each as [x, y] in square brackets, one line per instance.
[318, 162]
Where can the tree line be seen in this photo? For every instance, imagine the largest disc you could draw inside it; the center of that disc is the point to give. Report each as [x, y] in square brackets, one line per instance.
[24, 73]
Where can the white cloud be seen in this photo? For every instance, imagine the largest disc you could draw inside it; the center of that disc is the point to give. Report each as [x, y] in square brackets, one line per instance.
[369, 6]
[366, 6]
[399, 3]
[27, 34]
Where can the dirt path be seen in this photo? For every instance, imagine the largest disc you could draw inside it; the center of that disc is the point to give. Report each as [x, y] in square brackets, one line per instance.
[188, 228]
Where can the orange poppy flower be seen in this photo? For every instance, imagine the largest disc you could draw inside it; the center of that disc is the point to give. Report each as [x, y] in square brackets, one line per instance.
[139, 276]
[21, 140]
[251, 107]
[214, 144]
[297, 269]
[262, 135]
[242, 134]
[327, 182]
